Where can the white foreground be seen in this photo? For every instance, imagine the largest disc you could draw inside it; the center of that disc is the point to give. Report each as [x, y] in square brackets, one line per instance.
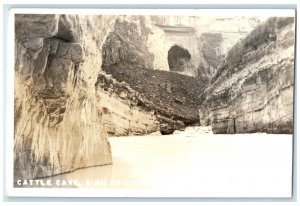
[202, 165]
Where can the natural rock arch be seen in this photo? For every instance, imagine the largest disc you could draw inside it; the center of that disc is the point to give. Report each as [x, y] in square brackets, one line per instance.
[178, 58]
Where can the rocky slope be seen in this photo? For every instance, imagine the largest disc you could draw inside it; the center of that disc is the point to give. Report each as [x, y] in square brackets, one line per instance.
[170, 98]
[252, 91]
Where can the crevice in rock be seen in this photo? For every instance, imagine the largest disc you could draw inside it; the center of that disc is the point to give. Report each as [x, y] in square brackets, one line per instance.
[65, 31]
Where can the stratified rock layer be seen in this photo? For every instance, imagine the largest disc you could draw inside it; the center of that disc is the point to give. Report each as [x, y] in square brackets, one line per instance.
[119, 104]
[253, 89]
[58, 123]
[171, 98]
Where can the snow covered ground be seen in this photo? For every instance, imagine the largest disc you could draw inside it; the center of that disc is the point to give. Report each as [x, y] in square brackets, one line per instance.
[194, 164]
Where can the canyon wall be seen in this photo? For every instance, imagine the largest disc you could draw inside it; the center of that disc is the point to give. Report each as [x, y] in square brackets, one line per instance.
[58, 122]
[79, 78]
[138, 44]
[207, 39]
[252, 91]
[65, 100]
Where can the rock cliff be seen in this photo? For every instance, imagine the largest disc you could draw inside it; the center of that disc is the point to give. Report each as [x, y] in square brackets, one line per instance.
[137, 49]
[58, 123]
[65, 101]
[252, 91]
[206, 39]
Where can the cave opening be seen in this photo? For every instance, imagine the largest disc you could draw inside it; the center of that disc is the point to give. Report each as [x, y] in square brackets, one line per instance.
[178, 58]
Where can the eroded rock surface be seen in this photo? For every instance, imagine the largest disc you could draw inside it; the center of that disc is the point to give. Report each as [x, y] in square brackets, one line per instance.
[212, 56]
[252, 91]
[127, 44]
[119, 104]
[58, 123]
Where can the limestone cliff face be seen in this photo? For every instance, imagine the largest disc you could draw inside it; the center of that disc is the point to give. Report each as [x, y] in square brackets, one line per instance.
[188, 45]
[58, 122]
[252, 91]
[211, 55]
[126, 44]
[174, 43]
[207, 39]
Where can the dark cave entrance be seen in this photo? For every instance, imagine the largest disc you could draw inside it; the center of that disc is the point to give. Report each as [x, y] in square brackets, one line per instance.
[178, 58]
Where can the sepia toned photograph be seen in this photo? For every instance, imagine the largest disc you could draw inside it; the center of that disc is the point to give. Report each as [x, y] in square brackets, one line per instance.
[171, 103]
